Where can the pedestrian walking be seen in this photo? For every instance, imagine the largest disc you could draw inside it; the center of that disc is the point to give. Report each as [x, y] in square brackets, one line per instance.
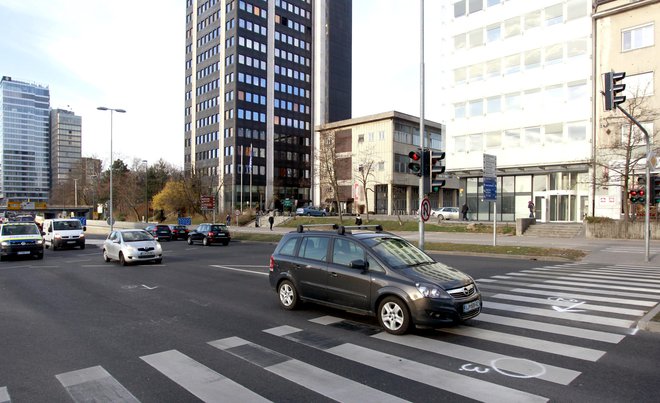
[271, 219]
[358, 220]
[464, 211]
[228, 219]
[257, 219]
[530, 206]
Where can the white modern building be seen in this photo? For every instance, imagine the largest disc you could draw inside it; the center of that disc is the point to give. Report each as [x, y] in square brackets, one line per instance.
[519, 86]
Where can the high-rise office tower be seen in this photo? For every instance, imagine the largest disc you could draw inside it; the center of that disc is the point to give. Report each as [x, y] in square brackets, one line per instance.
[259, 76]
[24, 141]
[65, 147]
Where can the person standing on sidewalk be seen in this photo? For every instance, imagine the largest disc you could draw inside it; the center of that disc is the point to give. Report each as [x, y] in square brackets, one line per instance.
[228, 220]
[464, 211]
[530, 206]
[271, 219]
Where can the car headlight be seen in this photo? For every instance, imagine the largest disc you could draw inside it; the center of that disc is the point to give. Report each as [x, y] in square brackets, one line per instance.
[39, 241]
[431, 291]
[5, 243]
[130, 249]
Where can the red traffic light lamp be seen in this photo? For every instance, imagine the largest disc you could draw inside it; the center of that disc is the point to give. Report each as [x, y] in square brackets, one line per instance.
[415, 164]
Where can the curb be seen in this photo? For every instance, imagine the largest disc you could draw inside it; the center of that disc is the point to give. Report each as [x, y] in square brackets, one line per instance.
[647, 323]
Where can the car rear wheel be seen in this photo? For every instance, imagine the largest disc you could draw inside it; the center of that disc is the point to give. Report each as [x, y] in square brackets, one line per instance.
[105, 256]
[205, 242]
[309, 214]
[122, 260]
[288, 295]
[393, 315]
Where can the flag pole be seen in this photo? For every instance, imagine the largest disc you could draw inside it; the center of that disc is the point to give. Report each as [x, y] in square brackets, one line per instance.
[251, 168]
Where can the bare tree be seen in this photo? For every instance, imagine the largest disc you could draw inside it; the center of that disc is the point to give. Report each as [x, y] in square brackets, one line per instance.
[328, 172]
[621, 154]
[364, 172]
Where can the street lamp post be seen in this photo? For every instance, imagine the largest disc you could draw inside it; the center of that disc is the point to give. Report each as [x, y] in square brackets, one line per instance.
[146, 190]
[111, 219]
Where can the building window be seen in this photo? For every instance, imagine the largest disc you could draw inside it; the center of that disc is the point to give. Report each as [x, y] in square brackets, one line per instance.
[554, 14]
[493, 140]
[494, 104]
[476, 107]
[476, 37]
[459, 110]
[576, 9]
[459, 8]
[637, 137]
[493, 33]
[512, 27]
[532, 20]
[476, 5]
[637, 37]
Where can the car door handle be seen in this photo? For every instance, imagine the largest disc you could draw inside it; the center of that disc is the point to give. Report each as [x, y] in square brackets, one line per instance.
[334, 274]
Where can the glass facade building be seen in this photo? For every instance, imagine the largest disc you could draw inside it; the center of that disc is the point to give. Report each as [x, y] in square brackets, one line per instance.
[250, 95]
[24, 141]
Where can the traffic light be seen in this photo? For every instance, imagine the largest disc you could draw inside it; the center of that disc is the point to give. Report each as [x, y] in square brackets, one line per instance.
[632, 194]
[613, 89]
[641, 195]
[415, 164]
[437, 169]
[656, 189]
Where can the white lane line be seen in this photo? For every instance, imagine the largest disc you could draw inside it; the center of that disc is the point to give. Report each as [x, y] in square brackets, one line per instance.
[566, 288]
[586, 284]
[4, 395]
[438, 378]
[590, 307]
[529, 343]
[198, 379]
[313, 378]
[578, 317]
[594, 282]
[584, 276]
[553, 374]
[551, 328]
[94, 384]
[241, 270]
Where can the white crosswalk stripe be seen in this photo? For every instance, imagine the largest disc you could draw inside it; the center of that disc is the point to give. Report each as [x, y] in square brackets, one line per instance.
[200, 380]
[567, 303]
[94, 384]
[442, 379]
[4, 395]
[309, 376]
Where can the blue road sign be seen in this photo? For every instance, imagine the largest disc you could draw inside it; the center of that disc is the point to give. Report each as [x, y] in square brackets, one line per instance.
[490, 189]
[185, 221]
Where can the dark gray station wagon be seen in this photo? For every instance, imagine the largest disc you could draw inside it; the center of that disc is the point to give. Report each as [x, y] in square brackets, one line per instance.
[364, 270]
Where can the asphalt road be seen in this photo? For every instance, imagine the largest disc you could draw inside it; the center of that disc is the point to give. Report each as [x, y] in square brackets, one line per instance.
[205, 325]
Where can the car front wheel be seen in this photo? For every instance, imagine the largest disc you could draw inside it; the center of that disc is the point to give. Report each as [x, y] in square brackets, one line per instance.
[122, 260]
[105, 256]
[288, 295]
[190, 240]
[393, 315]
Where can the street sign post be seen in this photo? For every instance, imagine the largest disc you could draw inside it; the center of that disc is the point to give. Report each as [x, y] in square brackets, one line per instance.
[490, 188]
[425, 209]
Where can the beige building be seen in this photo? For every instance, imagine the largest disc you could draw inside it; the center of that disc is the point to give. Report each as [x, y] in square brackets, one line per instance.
[625, 40]
[371, 164]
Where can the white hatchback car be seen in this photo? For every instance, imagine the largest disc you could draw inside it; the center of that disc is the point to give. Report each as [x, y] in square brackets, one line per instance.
[446, 213]
[132, 245]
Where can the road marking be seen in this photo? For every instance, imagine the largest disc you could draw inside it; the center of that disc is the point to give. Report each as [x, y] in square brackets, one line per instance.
[593, 283]
[582, 296]
[585, 276]
[552, 374]
[529, 343]
[241, 270]
[578, 317]
[94, 384]
[198, 379]
[567, 306]
[149, 288]
[566, 288]
[4, 395]
[551, 328]
[316, 379]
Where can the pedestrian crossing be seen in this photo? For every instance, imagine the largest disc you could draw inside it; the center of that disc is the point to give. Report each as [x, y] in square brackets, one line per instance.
[539, 331]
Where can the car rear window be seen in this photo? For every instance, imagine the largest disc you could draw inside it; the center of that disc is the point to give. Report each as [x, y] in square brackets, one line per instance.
[288, 248]
[218, 228]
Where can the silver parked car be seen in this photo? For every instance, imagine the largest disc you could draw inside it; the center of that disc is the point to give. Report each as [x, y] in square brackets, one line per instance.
[446, 213]
[130, 246]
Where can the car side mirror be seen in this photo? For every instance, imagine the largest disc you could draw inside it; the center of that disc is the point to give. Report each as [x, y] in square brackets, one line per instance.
[359, 264]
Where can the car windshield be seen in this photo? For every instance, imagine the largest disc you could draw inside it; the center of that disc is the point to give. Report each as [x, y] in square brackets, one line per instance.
[66, 225]
[136, 236]
[20, 230]
[398, 253]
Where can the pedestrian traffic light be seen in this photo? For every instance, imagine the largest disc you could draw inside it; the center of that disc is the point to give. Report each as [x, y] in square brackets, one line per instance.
[437, 170]
[632, 195]
[613, 90]
[415, 164]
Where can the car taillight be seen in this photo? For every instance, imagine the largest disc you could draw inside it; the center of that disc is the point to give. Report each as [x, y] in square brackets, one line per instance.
[272, 263]
[210, 234]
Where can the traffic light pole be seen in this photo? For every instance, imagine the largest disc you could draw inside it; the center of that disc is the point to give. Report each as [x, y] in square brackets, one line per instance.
[647, 203]
[421, 122]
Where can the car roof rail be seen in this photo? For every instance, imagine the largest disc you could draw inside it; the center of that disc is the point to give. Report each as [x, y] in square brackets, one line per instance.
[301, 227]
[374, 227]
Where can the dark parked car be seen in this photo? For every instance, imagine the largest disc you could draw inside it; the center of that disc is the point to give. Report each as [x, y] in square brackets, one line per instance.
[161, 232]
[209, 234]
[372, 273]
[179, 232]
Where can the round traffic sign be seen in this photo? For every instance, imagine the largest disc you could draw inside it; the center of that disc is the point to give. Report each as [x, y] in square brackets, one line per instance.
[110, 221]
[425, 209]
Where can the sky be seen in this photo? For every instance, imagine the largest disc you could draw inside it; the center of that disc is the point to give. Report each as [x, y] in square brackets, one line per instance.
[129, 55]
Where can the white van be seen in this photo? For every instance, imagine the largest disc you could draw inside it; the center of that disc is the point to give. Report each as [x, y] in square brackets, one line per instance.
[64, 233]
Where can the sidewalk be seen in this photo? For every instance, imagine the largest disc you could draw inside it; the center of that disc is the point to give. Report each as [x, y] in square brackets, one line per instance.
[606, 251]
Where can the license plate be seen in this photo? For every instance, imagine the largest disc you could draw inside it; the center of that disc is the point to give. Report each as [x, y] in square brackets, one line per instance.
[147, 255]
[70, 241]
[471, 306]
[24, 252]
